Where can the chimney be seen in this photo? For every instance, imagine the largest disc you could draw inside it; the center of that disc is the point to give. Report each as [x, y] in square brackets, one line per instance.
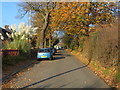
[7, 27]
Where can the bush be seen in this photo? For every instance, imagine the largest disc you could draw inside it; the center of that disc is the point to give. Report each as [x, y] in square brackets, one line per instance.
[12, 60]
[103, 45]
[107, 45]
[19, 44]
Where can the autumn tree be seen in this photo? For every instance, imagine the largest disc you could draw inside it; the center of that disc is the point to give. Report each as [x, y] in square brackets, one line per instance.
[67, 40]
[73, 17]
[37, 21]
[76, 17]
[43, 9]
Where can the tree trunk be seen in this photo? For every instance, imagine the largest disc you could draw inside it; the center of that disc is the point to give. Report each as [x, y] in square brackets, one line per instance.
[45, 43]
[42, 39]
[44, 31]
[50, 41]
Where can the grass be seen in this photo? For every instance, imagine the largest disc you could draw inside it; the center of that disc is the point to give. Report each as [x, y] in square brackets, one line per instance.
[74, 52]
[98, 67]
[108, 74]
[118, 76]
[102, 48]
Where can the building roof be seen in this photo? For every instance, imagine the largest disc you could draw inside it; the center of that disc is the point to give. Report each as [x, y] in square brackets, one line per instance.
[3, 33]
[5, 30]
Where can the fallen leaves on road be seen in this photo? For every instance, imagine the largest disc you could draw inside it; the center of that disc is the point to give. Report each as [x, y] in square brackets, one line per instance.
[29, 79]
[10, 83]
[108, 78]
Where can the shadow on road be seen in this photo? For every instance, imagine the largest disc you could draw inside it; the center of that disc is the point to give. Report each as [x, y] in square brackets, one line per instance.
[66, 72]
[57, 58]
[58, 54]
[68, 55]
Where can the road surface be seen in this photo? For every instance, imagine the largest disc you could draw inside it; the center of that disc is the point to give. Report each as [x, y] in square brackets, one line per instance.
[65, 71]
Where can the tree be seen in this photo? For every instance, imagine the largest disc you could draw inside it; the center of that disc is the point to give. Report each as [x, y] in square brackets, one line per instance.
[67, 40]
[76, 17]
[37, 21]
[43, 9]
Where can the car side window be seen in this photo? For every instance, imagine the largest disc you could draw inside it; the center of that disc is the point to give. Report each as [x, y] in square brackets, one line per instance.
[44, 50]
[47, 50]
[41, 50]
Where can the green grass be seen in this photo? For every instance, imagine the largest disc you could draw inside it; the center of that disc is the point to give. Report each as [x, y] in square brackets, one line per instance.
[94, 63]
[118, 76]
[74, 52]
[99, 68]
[106, 72]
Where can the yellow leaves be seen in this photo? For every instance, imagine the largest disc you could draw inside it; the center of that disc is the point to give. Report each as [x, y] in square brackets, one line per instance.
[104, 2]
[54, 29]
[87, 19]
[86, 11]
[81, 25]
[83, 30]
[101, 7]
[87, 16]
[78, 9]
[48, 36]
[76, 16]
[74, 4]
[73, 16]
[29, 79]
[97, 21]
[81, 38]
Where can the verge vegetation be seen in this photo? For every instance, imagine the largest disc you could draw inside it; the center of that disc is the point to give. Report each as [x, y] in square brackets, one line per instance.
[100, 50]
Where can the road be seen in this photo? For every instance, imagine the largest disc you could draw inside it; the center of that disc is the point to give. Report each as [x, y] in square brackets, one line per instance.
[65, 71]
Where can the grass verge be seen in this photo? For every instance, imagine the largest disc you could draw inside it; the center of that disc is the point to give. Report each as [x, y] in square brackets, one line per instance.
[110, 75]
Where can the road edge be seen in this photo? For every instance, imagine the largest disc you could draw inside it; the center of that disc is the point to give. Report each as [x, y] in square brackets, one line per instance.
[20, 68]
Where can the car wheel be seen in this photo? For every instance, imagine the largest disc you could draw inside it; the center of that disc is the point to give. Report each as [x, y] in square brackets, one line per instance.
[51, 58]
[39, 59]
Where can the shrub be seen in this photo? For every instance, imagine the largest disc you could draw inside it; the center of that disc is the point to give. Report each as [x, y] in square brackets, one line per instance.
[19, 44]
[20, 38]
[12, 60]
[103, 45]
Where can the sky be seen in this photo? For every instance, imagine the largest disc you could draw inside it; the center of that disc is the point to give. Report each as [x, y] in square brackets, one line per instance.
[9, 13]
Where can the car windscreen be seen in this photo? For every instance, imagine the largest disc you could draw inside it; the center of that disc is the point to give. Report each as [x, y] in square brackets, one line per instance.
[44, 50]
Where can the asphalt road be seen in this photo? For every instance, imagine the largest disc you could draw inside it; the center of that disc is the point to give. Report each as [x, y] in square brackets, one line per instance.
[65, 71]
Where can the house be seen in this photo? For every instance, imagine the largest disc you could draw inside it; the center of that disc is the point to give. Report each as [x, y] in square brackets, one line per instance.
[4, 33]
